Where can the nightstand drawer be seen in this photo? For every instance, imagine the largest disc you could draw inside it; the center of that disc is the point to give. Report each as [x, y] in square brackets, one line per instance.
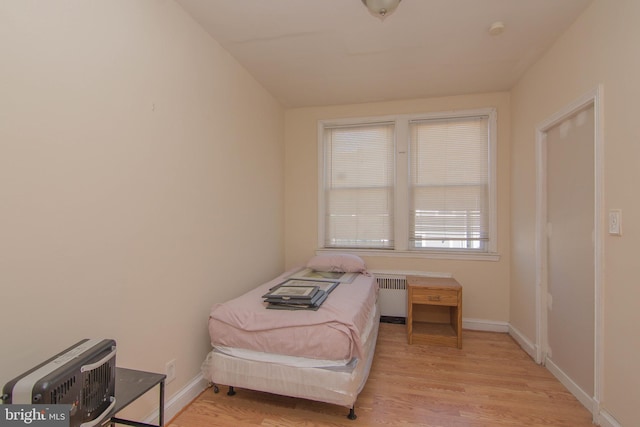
[421, 295]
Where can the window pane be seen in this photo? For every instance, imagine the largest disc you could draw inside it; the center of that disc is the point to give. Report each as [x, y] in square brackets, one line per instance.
[449, 179]
[359, 176]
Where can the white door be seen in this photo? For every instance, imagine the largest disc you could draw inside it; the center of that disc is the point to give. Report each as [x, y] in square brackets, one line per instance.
[571, 205]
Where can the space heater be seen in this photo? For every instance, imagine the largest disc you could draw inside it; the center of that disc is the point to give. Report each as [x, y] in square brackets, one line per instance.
[82, 376]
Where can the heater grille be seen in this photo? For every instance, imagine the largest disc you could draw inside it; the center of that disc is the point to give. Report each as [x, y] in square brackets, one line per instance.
[395, 283]
[58, 393]
[96, 387]
[393, 294]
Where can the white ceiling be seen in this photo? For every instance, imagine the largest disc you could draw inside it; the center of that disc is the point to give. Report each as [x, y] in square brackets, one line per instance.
[327, 52]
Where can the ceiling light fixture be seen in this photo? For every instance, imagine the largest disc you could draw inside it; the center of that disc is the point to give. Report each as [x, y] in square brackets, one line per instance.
[381, 8]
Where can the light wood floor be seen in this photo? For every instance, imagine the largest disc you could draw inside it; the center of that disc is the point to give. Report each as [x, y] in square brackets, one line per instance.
[491, 382]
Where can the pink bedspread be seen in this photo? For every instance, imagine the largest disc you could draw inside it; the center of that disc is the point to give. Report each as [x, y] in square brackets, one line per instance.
[332, 332]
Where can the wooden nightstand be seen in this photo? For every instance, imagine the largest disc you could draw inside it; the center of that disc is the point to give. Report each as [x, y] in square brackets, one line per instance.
[434, 311]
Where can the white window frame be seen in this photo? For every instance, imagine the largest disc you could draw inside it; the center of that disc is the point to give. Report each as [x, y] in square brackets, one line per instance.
[401, 215]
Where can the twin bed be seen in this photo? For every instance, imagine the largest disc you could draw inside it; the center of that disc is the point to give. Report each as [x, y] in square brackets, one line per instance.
[323, 355]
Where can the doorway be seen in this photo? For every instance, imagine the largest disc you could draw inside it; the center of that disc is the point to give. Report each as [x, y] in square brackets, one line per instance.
[569, 247]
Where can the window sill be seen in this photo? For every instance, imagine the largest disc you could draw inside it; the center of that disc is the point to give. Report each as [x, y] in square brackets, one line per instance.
[457, 256]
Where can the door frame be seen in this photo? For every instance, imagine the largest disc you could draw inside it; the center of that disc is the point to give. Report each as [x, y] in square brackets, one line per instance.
[593, 97]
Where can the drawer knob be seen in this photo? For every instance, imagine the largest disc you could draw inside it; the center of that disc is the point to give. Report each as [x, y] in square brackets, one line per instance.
[434, 297]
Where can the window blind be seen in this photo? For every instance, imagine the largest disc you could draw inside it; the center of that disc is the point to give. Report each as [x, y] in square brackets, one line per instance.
[359, 177]
[449, 183]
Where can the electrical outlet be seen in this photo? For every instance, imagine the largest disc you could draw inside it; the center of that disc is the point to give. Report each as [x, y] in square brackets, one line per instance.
[170, 371]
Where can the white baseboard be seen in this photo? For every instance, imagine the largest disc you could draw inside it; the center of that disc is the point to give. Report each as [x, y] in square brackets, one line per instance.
[606, 420]
[485, 325]
[602, 417]
[586, 400]
[529, 347]
[180, 400]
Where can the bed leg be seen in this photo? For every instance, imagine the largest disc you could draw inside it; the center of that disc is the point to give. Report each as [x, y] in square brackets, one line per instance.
[216, 389]
[231, 391]
[352, 413]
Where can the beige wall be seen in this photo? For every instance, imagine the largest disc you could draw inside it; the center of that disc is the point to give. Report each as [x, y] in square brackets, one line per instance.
[600, 48]
[135, 157]
[486, 283]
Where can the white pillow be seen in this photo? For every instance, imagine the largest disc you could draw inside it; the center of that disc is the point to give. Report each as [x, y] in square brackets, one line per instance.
[346, 263]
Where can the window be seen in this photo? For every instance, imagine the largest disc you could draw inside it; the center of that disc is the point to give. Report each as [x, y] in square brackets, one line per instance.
[358, 186]
[409, 184]
[449, 183]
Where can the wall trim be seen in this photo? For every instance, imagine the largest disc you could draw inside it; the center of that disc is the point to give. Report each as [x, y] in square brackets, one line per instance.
[180, 400]
[587, 401]
[417, 254]
[485, 325]
[600, 416]
[606, 420]
[529, 347]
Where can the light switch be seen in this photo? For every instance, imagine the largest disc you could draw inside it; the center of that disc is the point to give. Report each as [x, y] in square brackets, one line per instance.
[615, 219]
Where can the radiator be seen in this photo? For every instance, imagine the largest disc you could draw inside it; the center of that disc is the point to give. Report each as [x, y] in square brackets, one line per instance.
[393, 290]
